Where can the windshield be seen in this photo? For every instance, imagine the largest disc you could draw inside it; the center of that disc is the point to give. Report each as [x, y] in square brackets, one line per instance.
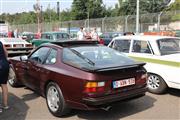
[92, 57]
[169, 46]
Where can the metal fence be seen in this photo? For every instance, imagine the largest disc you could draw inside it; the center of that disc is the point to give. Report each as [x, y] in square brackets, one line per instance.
[148, 22]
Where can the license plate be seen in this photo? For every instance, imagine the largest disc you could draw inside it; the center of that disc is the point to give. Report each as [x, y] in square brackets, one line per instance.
[123, 83]
[19, 46]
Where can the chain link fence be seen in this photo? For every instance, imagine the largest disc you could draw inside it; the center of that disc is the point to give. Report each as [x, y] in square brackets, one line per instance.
[148, 22]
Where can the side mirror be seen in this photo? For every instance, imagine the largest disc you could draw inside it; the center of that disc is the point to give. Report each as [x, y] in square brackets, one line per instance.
[23, 58]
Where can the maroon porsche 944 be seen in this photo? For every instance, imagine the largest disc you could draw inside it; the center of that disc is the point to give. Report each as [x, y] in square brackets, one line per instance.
[79, 75]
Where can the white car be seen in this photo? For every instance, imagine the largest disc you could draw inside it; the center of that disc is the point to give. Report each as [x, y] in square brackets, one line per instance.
[162, 55]
[16, 46]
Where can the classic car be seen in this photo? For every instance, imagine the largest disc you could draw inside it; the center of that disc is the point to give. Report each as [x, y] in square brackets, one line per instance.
[79, 74]
[16, 46]
[162, 54]
[47, 37]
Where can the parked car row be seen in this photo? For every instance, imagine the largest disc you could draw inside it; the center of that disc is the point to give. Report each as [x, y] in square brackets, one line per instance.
[86, 75]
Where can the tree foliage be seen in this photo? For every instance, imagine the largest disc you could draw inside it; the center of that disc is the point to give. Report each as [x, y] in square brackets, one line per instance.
[174, 6]
[146, 6]
[82, 9]
[95, 8]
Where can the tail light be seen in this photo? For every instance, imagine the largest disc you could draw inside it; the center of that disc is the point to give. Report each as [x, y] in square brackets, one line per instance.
[93, 87]
[7, 46]
[28, 45]
[144, 76]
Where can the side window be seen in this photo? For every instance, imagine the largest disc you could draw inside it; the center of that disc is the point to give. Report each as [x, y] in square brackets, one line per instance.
[49, 36]
[39, 55]
[59, 36]
[122, 45]
[43, 36]
[66, 36]
[141, 47]
[52, 58]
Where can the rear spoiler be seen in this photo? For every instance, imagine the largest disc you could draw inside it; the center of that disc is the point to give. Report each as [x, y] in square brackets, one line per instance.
[117, 68]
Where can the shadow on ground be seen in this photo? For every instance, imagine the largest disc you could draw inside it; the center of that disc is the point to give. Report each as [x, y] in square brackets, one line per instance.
[118, 111]
[17, 111]
[174, 92]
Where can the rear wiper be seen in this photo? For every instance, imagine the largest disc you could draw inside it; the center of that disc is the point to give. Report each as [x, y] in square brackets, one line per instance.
[83, 57]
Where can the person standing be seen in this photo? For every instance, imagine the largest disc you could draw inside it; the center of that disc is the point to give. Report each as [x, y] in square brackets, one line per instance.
[4, 73]
[80, 34]
[94, 35]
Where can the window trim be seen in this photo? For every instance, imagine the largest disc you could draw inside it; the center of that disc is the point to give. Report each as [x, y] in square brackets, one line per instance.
[49, 54]
[36, 51]
[150, 47]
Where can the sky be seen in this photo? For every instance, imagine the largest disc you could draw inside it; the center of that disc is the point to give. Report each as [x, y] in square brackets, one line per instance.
[14, 6]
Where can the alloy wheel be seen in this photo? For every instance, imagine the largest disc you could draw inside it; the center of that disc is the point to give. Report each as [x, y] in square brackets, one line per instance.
[53, 98]
[153, 82]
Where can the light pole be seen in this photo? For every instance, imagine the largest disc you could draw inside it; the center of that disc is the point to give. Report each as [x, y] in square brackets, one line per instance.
[58, 10]
[137, 16]
[37, 10]
[88, 7]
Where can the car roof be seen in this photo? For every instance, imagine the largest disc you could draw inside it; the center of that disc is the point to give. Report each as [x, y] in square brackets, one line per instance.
[53, 32]
[69, 43]
[112, 32]
[143, 37]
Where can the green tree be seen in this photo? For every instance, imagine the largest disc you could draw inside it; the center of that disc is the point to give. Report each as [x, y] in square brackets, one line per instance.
[81, 9]
[146, 6]
[174, 6]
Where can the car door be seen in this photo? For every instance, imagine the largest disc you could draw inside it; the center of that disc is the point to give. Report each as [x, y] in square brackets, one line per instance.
[34, 65]
[43, 71]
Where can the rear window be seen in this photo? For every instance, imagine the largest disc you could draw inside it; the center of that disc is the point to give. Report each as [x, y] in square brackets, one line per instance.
[92, 57]
[169, 46]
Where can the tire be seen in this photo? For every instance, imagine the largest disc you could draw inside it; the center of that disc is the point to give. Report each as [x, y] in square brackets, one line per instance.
[55, 100]
[156, 84]
[12, 80]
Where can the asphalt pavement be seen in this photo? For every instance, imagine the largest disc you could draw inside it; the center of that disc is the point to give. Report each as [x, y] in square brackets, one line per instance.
[27, 105]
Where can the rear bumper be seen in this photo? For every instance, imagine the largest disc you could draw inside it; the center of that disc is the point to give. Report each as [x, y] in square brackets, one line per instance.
[115, 98]
[12, 51]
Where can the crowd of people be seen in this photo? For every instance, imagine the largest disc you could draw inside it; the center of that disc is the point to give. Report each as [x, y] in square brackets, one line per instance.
[82, 34]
